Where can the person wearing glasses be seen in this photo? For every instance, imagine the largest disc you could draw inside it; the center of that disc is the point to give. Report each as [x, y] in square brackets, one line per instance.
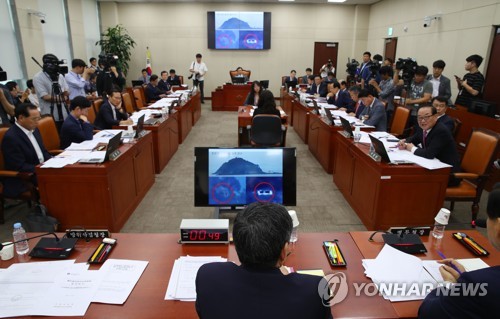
[22, 148]
[433, 140]
[111, 112]
[260, 287]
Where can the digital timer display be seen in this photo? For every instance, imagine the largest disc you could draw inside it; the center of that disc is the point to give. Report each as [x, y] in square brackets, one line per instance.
[204, 231]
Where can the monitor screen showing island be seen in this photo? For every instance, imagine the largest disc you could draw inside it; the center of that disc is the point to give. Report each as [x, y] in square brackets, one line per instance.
[240, 176]
[229, 30]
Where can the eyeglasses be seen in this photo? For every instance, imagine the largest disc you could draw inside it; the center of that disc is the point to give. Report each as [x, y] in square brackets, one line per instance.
[424, 118]
[36, 119]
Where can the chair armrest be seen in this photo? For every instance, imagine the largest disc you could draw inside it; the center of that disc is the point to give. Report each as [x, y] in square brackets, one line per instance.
[466, 175]
[22, 175]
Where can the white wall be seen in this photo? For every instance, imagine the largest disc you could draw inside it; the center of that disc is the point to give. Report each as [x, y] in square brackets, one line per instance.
[176, 32]
[464, 29]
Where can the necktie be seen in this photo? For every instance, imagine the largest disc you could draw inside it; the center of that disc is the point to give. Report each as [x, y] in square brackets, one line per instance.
[425, 136]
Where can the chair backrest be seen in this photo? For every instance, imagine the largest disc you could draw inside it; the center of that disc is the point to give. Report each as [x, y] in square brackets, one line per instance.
[266, 130]
[456, 127]
[246, 73]
[3, 130]
[97, 105]
[139, 102]
[49, 133]
[482, 147]
[400, 120]
[91, 115]
[127, 103]
[181, 79]
[283, 80]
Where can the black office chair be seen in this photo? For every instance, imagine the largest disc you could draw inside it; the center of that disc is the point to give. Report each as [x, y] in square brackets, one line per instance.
[266, 130]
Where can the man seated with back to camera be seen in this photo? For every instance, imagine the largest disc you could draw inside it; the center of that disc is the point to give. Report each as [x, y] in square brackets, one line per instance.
[439, 103]
[318, 88]
[456, 300]
[153, 93]
[173, 79]
[266, 104]
[259, 288]
[254, 94]
[22, 148]
[433, 140]
[76, 127]
[337, 97]
[374, 112]
[385, 89]
[111, 112]
[163, 84]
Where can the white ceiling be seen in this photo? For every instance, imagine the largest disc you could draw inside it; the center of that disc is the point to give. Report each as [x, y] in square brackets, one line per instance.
[347, 2]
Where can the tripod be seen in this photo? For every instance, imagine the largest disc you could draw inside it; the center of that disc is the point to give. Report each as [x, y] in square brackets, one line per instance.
[57, 101]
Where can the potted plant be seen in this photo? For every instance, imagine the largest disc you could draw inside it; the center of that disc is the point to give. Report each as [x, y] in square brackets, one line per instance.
[117, 41]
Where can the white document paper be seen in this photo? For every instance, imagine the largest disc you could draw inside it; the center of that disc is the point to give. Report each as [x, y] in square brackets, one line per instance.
[120, 278]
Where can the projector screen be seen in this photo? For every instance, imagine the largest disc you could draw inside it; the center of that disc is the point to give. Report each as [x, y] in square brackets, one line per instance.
[229, 30]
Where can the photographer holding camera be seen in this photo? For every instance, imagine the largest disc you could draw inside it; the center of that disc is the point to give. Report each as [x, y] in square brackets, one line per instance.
[110, 76]
[385, 89]
[198, 70]
[420, 91]
[52, 89]
[327, 68]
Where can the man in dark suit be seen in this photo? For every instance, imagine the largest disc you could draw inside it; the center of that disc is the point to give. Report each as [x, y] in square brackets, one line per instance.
[76, 127]
[374, 112]
[173, 79]
[292, 80]
[111, 112]
[357, 105]
[23, 148]
[308, 74]
[318, 87]
[163, 84]
[259, 288]
[337, 97]
[433, 140]
[441, 85]
[455, 301]
[439, 103]
[153, 93]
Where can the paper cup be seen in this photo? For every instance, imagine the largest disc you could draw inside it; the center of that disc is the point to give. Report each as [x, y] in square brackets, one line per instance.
[443, 216]
[7, 252]
[295, 219]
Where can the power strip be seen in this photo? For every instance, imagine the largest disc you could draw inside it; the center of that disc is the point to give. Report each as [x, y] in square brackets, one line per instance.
[87, 234]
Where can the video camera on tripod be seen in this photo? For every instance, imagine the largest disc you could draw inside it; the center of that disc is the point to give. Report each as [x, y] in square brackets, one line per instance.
[408, 66]
[53, 66]
[352, 66]
[108, 60]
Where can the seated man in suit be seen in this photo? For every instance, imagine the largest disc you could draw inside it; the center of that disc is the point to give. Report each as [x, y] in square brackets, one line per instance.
[337, 97]
[318, 88]
[259, 288]
[439, 102]
[309, 72]
[76, 127]
[292, 80]
[357, 105]
[144, 77]
[153, 93]
[163, 84]
[456, 300]
[173, 79]
[111, 112]
[330, 78]
[23, 148]
[433, 140]
[239, 74]
[374, 111]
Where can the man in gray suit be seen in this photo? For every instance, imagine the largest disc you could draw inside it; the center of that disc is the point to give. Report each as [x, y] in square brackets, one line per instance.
[440, 84]
[374, 111]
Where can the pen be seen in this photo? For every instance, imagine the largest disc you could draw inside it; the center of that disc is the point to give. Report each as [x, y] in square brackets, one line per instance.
[339, 256]
[97, 252]
[474, 245]
[105, 253]
[450, 264]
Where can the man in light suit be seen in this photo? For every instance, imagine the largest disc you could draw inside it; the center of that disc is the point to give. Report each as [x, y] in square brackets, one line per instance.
[439, 303]
[260, 287]
[441, 85]
[22, 148]
[318, 87]
[374, 112]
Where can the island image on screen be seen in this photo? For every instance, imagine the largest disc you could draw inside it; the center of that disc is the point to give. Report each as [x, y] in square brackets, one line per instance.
[243, 176]
[239, 30]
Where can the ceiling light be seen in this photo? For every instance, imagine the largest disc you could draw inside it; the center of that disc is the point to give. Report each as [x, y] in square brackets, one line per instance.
[336, 1]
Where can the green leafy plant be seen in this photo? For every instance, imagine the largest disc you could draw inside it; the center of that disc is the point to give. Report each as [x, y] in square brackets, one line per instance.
[117, 41]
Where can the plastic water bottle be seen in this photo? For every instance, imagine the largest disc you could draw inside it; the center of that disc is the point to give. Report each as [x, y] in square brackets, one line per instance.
[441, 220]
[20, 234]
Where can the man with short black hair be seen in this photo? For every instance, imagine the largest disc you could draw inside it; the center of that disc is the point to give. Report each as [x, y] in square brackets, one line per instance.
[77, 78]
[309, 72]
[144, 76]
[93, 64]
[440, 84]
[374, 111]
[439, 103]
[471, 87]
[163, 84]
[318, 88]
[22, 148]
[339, 98]
[111, 112]
[173, 79]
[32, 96]
[420, 93]
[260, 287]
[385, 89]
[14, 92]
[153, 93]
[76, 127]
[198, 69]
[364, 69]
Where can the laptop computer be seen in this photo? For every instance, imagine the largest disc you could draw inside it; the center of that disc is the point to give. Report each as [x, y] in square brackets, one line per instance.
[137, 83]
[238, 80]
[112, 152]
[264, 84]
[329, 116]
[139, 129]
[347, 127]
[380, 149]
[316, 108]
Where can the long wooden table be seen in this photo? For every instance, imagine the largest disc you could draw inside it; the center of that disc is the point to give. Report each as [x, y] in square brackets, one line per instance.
[188, 115]
[245, 119]
[161, 250]
[99, 196]
[229, 97]
[384, 195]
[448, 246]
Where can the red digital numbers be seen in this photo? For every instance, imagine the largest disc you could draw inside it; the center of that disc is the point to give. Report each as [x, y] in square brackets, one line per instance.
[203, 235]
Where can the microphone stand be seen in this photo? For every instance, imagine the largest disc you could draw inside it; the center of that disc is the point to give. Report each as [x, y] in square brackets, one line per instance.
[29, 238]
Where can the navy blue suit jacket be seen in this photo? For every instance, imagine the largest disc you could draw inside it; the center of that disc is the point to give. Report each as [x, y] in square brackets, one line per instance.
[152, 93]
[75, 130]
[164, 86]
[104, 119]
[343, 100]
[447, 122]
[19, 155]
[462, 306]
[322, 89]
[376, 115]
[174, 81]
[225, 290]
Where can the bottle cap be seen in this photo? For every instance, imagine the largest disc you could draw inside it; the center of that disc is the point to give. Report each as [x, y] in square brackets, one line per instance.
[17, 225]
[443, 216]
[295, 219]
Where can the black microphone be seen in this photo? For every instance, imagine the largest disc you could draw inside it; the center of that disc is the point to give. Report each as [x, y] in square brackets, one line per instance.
[29, 238]
[479, 223]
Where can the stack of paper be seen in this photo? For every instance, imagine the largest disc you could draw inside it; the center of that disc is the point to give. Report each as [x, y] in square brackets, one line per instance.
[181, 285]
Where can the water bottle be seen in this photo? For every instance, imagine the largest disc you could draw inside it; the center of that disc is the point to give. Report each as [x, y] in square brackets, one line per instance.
[19, 234]
[441, 220]
[295, 221]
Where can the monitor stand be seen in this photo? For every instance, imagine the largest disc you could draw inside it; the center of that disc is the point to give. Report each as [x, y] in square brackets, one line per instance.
[226, 209]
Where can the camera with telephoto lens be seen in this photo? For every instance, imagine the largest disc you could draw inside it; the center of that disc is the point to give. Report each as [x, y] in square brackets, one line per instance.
[408, 66]
[329, 64]
[108, 60]
[352, 67]
[53, 66]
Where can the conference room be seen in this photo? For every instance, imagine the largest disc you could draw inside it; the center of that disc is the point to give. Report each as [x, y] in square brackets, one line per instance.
[169, 34]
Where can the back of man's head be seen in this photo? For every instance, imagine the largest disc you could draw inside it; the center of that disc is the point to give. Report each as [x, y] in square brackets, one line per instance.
[79, 101]
[477, 59]
[153, 78]
[386, 70]
[260, 232]
[354, 89]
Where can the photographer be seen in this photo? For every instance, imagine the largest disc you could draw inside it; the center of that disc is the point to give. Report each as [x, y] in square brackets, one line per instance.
[77, 78]
[110, 76]
[198, 70]
[420, 93]
[385, 89]
[326, 68]
[52, 89]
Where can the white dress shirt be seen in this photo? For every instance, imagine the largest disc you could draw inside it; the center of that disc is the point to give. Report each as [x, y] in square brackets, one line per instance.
[34, 142]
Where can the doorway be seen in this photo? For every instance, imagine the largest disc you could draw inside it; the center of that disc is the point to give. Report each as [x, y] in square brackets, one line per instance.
[390, 48]
[324, 51]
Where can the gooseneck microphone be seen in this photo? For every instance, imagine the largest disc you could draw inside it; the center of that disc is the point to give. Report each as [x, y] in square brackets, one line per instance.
[29, 238]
